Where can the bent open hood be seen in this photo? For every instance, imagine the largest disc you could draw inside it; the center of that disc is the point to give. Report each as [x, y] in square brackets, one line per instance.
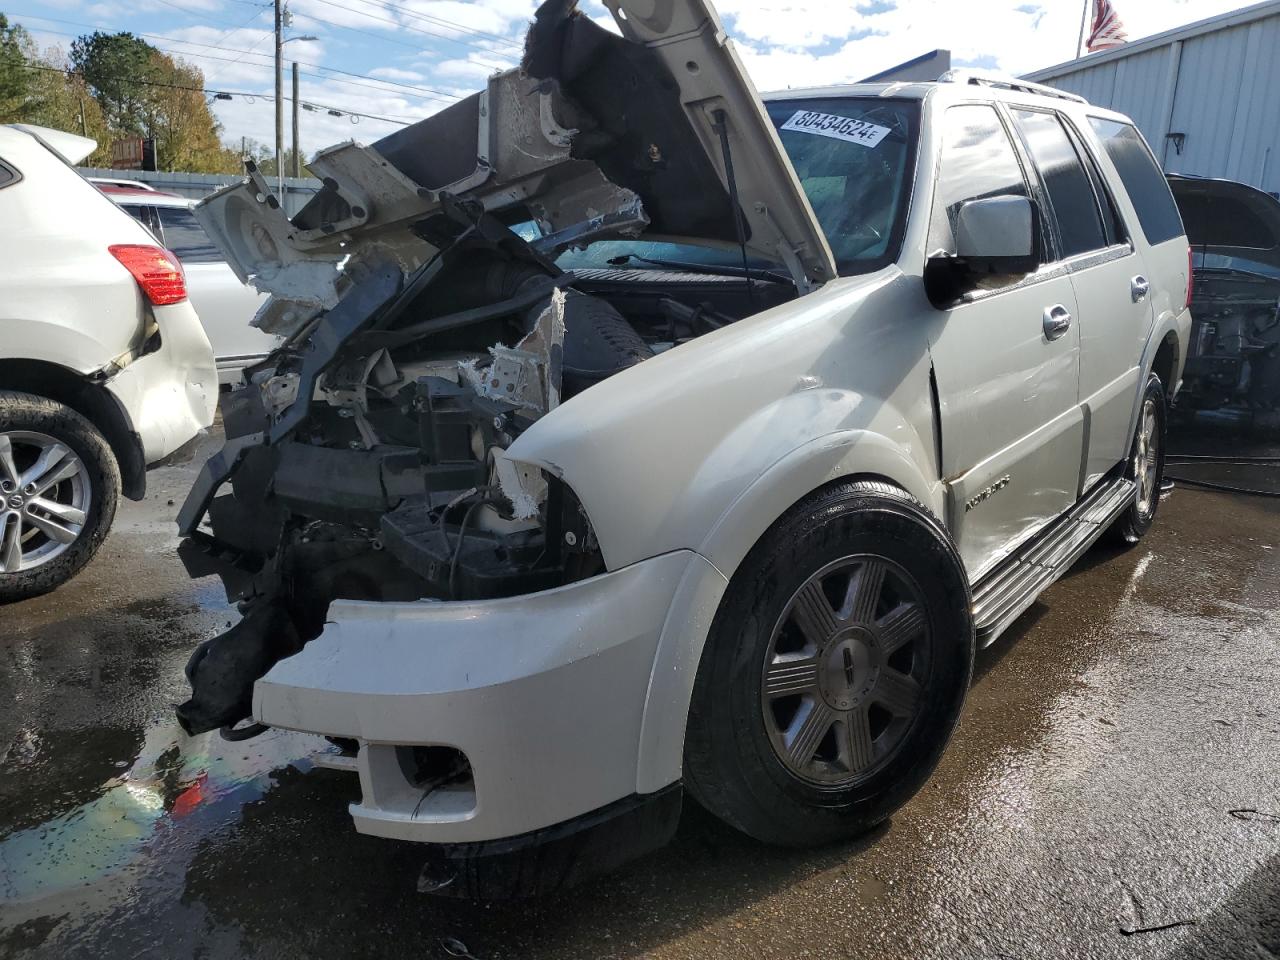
[594, 135]
[1229, 218]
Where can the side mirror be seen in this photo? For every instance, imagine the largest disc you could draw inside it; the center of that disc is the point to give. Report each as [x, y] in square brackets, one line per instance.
[996, 235]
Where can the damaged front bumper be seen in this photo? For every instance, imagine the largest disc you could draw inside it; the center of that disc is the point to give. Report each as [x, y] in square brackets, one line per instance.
[484, 720]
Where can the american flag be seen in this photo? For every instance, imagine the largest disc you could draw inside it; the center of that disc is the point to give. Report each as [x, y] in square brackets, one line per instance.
[1108, 30]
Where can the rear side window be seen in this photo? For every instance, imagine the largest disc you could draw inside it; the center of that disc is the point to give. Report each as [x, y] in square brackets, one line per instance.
[185, 237]
[978, 161]
[144, 215]
[1142, 179]
[1075, 207]
[7, 174]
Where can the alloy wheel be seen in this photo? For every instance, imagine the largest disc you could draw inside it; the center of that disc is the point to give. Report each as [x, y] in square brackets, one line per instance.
[44, 499]
[845, 670]
[1146, 457]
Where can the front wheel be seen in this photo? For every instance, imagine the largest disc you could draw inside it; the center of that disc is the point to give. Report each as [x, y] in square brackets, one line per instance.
[835, 669]
[59, 485]
[1145, 467]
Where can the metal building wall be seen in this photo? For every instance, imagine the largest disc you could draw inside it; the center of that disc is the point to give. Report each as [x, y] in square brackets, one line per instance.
[1220, 87]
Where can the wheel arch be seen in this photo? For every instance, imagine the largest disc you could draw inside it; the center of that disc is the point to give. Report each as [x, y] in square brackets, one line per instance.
[1167, 362]
[818, 465]
[91, 401]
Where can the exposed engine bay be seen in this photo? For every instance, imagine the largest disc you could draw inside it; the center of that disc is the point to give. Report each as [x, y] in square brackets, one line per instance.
[1235, 342]
[366, 459]
[1234, 356]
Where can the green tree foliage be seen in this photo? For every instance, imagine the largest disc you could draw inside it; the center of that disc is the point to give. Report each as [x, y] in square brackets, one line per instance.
[119, 67]
[15, 78]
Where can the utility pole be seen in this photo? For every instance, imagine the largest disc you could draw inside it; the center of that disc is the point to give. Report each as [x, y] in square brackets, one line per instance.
[280, 99]
[297, 157]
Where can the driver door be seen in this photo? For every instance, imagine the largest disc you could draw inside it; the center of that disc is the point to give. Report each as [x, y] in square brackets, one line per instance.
[1006, 356]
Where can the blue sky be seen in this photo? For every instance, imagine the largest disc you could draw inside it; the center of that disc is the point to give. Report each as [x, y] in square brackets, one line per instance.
[404, 59]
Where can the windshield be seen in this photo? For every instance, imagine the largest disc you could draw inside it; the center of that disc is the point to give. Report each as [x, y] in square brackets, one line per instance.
[855, 160]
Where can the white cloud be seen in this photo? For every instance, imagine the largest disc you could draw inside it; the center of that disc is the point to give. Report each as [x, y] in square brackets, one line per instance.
[434, 44]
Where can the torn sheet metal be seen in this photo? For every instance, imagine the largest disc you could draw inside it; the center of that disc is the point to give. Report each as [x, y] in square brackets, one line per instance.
[531, 372]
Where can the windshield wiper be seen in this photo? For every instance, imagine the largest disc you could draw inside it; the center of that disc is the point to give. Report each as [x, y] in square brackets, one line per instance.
[753, 273]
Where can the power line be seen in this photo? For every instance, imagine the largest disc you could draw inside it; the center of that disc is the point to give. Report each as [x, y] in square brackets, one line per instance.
[404, 26]
[265, 97]
[450, 24]
[427, 93]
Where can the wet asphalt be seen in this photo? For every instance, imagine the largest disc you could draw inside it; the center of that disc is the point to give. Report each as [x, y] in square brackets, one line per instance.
[1117, 769]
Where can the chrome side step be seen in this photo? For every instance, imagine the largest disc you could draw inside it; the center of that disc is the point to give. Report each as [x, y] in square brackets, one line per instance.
[1008, 590]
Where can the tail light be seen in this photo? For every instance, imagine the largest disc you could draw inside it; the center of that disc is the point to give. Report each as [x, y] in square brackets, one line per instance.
[1190, 275]
[157, 271]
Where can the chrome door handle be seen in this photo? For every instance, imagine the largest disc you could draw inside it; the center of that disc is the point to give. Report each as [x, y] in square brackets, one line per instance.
[1139, 288]
[1057, 321]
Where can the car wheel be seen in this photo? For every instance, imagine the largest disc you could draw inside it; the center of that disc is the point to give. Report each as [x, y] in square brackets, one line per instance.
[1146, 466]
[59, 485]
[834, 671]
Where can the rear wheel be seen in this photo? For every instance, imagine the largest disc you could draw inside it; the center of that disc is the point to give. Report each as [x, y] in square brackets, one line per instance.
[1146, 466]
[59, 485]
[835, 669]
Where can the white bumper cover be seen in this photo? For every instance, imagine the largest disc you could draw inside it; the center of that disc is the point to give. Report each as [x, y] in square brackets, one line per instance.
[545, 694]
[172, 394]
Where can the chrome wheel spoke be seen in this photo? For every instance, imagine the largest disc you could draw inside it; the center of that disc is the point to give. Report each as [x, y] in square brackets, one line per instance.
[863, 593]
[59, 511]
[900, 626]
[787, 676]
[10, 542]
[40, 471]
[8, 469]
[813, 614]
[812, 722]
[65, 471]
[52, 529]
[897, 693]
[856, 748]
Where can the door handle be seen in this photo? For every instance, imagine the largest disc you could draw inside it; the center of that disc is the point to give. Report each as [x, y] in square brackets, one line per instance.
[1057, 321]
[1139, 288]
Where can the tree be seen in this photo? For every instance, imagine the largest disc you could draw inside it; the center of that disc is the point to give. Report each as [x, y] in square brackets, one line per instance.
[15, 76]
[63, 101]
[118, 67]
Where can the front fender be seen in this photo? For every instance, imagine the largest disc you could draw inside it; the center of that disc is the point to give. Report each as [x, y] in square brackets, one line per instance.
[671, 454]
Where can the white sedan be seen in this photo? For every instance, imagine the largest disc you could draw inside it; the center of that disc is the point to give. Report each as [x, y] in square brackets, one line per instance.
[226, 306]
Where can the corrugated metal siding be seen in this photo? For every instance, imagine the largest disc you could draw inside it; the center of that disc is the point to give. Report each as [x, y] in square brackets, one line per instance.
[1227, 100]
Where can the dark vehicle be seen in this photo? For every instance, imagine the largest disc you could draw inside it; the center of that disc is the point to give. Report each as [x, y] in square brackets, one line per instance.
[1234, 359]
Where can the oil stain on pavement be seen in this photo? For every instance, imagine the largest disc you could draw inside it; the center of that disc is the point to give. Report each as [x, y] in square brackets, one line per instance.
[1113, 791]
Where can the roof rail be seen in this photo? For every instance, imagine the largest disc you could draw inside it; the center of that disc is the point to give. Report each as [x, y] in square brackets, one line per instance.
[1007, 83]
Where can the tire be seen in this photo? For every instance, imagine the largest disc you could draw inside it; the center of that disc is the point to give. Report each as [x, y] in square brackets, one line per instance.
[871, 760]
[82, 493]
[1132, 525]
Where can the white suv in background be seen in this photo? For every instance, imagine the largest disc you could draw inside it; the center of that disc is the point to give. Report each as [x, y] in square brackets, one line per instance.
[104, 367]
[224, 303]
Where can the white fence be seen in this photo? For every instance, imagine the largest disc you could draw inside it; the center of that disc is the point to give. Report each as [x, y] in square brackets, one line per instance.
[297, 190]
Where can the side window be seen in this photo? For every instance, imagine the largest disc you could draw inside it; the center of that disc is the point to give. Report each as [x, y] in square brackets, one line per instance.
[185, 237]
[1142, 179]
[145, 215]
[978, 161]
[7, 174]
[1075, 207]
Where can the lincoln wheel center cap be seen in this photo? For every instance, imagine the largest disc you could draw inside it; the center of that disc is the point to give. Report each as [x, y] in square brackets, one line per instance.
[849, 668]
[15, 502]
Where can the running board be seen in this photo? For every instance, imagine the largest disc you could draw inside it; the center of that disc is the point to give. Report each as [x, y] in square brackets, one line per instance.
[1005, 593]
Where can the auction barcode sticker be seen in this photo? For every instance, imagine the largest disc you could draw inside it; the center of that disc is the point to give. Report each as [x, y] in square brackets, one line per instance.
[837, 128]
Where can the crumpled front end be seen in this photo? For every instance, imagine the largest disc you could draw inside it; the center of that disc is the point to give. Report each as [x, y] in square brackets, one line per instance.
[427, 327]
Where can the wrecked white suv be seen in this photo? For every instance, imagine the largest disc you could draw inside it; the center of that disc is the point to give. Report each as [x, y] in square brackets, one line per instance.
[632, 434]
